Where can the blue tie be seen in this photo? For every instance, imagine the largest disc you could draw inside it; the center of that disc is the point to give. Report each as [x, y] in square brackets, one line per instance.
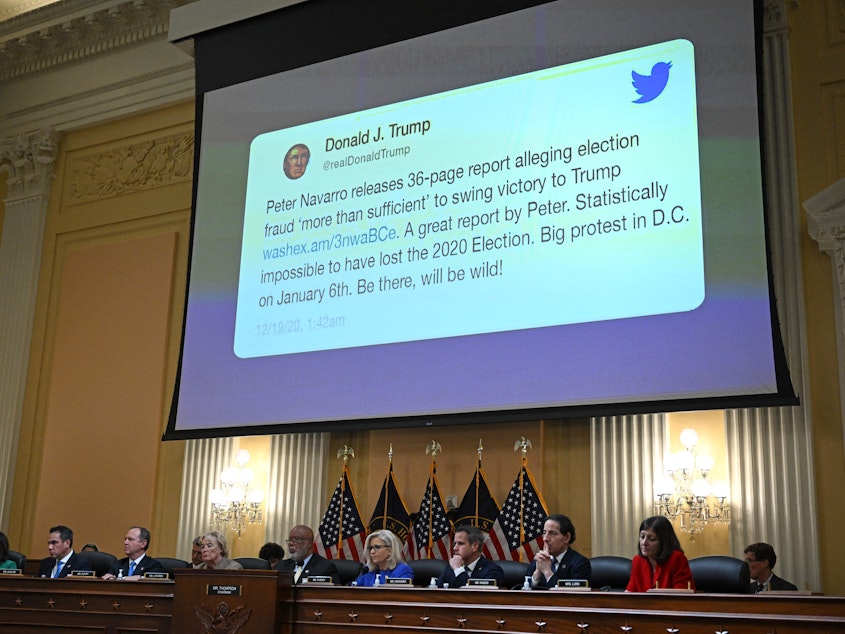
[59, 565]
[131, 568]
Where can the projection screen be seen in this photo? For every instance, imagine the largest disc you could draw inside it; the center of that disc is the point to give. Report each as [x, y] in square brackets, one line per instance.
[425, 214]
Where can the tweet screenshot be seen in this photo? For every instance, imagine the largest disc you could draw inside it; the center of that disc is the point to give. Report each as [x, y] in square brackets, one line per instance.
[556, 197]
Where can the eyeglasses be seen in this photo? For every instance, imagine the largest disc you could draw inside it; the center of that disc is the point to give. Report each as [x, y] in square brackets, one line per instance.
[297, 540]
[376, 547]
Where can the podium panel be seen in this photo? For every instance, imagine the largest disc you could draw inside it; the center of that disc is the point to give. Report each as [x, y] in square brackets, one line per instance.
[232, 601]
[327, 610]
[66, 606]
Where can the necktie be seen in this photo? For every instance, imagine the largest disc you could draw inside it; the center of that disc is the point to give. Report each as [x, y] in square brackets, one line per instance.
[131, 568]
[297, 572]
[554, 565]
[760, 588]
[59, 565]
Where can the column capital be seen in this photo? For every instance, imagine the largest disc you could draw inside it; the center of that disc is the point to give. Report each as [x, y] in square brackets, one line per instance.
[826, 218]
[29, 160]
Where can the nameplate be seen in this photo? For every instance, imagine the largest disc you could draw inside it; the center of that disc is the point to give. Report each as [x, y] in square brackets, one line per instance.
[11, 571]
[398, 581]
[481, 583]
[87, 574]
[671, 590]
[573, 584]
[318, 579]
[157, 576]
[223, 591]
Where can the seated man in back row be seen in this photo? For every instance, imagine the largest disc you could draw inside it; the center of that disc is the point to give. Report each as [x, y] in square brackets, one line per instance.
[467, 561]
[557, 560]
[136, 563]
[761, 558]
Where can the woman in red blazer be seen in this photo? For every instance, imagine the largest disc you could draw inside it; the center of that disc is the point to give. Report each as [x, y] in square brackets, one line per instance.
[660, 562]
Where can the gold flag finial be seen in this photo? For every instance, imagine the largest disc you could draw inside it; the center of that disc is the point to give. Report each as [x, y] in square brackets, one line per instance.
[346, 452]
[480, 450]
[433, 448]
[523, 445]
[390, 453]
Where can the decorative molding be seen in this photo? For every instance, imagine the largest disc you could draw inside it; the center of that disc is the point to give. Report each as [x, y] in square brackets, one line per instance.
[826, 225]
[71, 31]
[130, 168]
[835, 10]
[826, 217]
[29, 159]
[774, 16]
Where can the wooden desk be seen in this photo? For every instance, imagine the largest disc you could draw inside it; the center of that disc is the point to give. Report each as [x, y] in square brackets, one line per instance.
[35, 605]
[31, 604]
[334, 609]
[230, 601]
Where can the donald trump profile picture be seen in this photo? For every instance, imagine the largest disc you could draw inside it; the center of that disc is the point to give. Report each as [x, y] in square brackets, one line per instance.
[296, 160]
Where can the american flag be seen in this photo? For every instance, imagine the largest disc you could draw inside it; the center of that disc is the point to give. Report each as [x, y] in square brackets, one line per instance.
[392, 514]
[342, 533]
[432, 529]
[478, 507]
[524, 508]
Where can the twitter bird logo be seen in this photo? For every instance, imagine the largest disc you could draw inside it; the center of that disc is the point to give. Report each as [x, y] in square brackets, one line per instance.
[650, 86]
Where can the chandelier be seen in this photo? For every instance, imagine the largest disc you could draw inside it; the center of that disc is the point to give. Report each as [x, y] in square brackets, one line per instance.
[234, 505]
[684, 492]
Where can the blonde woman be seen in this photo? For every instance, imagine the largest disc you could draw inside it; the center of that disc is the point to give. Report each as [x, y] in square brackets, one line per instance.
[215, 551]
[384, 559]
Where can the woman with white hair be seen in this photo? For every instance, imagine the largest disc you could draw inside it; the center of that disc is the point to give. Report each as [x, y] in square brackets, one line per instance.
[384, 560]
[215, 551]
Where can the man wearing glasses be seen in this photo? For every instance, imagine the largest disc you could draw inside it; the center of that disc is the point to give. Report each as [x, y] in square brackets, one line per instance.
[303, 561]
[761, 558]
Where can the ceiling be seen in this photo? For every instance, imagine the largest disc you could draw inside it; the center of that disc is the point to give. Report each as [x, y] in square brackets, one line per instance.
[12, 8]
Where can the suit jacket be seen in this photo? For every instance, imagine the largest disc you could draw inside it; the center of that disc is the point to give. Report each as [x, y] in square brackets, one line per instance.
[573, 566]
[484, 569]
[147, 564]
[317, 567]
[76, 562]
[776, 583]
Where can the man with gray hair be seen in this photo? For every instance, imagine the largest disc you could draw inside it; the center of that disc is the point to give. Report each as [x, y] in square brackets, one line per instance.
[467, 562]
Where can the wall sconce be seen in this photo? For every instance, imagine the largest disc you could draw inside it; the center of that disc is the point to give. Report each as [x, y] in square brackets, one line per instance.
[685, 491]
[234, 505]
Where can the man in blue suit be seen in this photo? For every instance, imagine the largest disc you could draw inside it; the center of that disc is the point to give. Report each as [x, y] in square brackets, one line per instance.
[557, 560]
[136, 563]
[467, 561]
[62, 560]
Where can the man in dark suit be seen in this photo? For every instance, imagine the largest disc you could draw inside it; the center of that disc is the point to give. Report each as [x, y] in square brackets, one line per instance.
[303, 561]
[62, 560]
[467, 561]
[761, 559]
[557, 560]
[136, 563]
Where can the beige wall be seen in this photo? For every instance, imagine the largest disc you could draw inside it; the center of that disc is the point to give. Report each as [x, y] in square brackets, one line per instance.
[106, 336]
[817, 50]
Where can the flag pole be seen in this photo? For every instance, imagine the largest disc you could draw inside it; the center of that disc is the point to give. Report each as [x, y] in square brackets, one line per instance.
[346, 452]
[432, 448]
[523, 444]
[477, 478]
[387, 489]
